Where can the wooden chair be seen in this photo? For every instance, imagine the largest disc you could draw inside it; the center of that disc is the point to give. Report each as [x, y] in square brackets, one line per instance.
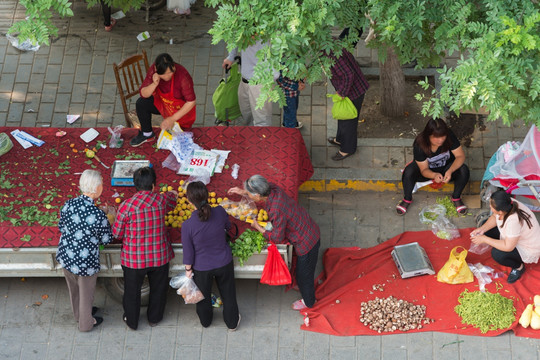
[130, 74]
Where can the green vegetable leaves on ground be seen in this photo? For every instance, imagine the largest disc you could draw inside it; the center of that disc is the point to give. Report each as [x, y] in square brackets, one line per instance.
[449, 205]
[5, 183]
[247, 244]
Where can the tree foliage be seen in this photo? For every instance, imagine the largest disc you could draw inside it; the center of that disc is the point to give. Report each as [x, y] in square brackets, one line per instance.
[125, 5]
[299, 32]
[499, 43]
[498, 40]
[501, 74]
[38, 27]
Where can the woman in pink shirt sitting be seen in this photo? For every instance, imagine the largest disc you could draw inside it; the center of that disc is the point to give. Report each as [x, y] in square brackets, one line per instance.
[513, 232]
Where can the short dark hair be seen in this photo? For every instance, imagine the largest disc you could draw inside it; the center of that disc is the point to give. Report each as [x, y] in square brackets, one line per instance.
[163, 62]
[144, 178]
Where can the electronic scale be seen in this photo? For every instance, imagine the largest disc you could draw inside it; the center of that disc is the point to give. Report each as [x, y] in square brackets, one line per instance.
[411, 260]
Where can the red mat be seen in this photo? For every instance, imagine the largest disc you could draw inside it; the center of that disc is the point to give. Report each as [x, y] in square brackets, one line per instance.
[350, 274]
[28, 177]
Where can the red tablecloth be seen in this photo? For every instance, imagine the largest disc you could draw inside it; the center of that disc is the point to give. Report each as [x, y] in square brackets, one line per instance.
[279, 154]
[350, 275]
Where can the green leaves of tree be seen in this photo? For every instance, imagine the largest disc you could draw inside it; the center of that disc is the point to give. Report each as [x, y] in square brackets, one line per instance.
[37, 27]
[500, 73]
[299, 33]
[499, 40]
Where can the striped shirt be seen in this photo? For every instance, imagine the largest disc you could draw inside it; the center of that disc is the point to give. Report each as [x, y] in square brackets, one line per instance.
[347, 77]
[140, 224]
[291, 222]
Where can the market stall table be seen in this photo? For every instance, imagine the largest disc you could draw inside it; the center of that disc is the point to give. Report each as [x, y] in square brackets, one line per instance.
[36, 182]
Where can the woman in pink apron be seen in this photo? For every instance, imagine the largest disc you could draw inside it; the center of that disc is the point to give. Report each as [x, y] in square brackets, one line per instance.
[166, 90]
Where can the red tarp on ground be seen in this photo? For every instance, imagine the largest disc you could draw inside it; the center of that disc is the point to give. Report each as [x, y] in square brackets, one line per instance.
[279, 154]
[350, 273]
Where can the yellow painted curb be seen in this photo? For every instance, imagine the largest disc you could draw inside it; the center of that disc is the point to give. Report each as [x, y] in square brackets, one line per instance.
[360, 185]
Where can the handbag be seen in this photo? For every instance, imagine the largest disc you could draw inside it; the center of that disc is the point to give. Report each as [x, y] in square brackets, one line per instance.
[232, 234]
[275, 271]
[225, 98]
[456, 270]
[343, 108]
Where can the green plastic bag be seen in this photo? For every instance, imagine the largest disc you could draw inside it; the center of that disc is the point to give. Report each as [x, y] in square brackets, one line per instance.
[5, 143]
[343, 108]
[225, 97]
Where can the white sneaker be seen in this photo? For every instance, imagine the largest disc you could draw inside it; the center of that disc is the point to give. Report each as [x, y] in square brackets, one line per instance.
[233, 330]
[298, 305]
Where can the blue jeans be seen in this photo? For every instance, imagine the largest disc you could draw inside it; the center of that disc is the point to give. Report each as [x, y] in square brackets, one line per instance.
[289, 112]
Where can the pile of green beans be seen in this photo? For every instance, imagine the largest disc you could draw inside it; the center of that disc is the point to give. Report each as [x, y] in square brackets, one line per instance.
[485, 311]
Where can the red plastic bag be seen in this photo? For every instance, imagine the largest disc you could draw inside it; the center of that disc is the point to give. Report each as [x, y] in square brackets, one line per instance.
[275, 270]
[435, 185]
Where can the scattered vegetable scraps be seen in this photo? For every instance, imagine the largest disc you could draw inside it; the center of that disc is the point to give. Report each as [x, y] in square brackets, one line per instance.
[449, 205]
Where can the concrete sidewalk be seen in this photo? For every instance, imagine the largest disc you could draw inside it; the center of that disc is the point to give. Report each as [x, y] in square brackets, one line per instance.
[75, 76]
[269, 328]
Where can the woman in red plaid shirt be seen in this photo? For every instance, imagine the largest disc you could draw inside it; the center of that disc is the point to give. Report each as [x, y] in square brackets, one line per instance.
[146, 248]
[291, 223]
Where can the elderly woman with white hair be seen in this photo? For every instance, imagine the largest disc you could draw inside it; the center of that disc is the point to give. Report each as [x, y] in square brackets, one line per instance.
[83, 227]
[291, 223]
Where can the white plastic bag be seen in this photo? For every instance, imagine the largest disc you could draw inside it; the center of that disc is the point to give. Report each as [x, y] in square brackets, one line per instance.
[444, 229]
[188, 289]
[166, 137]
[180, 7]
[5, 143]
[199, 174]
[431, 213]
[182, 146]
[243, 210]
[171, 163]
[24, 46]
[479, 249]
[234, 172]
[483, 274]
[116, 140]
[178, 280]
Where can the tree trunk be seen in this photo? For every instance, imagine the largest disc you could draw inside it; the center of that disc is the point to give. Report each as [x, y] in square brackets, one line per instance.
[392, 86]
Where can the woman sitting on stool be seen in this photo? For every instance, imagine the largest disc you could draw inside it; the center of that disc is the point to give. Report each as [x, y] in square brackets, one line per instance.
[513, 232]
[438, 155]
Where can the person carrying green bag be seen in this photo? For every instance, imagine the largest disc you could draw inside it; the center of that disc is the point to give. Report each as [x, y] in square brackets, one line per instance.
[248, 91]
[343, 108]
[225, 98]
[349, 82]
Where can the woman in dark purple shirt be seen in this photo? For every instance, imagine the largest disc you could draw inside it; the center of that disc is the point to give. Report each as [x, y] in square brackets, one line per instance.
[207, 256]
